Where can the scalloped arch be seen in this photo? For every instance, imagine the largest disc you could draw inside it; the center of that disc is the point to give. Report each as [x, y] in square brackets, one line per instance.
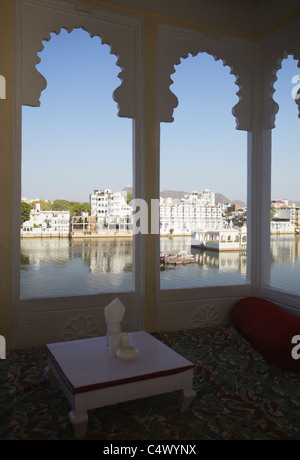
[121, 34]
[278, 66]
[274, 49]
[216, 58]
[175, 44]
[70, 30]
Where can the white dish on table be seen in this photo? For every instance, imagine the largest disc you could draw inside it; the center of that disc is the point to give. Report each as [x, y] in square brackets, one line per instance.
[127, 353]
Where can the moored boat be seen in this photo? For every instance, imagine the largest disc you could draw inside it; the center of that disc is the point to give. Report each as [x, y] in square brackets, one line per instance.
[176, 258]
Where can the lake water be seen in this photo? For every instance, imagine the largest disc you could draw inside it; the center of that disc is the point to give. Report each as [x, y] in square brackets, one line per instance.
[52, 267]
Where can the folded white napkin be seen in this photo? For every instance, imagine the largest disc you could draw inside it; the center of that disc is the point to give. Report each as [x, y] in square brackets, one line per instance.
[114, 312]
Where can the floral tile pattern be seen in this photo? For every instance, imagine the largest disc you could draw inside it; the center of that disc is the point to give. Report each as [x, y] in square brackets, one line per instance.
[239, 397]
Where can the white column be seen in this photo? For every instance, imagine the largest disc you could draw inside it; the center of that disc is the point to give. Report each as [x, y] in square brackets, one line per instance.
[259, 187]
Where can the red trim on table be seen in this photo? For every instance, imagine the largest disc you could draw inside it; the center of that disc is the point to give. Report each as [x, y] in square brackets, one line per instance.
[98, 386]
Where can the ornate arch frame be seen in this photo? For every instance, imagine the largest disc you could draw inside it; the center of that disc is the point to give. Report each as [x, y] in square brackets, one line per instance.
[272, 51]
[254, 65]
[173, 44]
[38, 320]
[119, 33]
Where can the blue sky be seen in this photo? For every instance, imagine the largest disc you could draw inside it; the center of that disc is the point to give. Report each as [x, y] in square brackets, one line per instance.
[75, 142]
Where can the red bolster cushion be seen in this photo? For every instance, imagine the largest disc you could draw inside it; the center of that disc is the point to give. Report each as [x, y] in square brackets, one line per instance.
[270, 330]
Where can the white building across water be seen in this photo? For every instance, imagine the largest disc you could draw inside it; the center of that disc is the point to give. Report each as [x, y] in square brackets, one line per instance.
[286, 218]
[225, 238]
[197, 210]
[46, 223]
[111, 210]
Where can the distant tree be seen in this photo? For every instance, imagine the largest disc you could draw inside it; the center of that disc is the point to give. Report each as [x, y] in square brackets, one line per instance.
[129, 197]
[45, 205]
[272, 212]
[61, 205]
[77, 208]
[25, 211]
[86, 207]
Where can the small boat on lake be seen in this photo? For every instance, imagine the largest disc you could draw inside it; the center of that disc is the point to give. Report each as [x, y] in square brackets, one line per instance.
[176, 258]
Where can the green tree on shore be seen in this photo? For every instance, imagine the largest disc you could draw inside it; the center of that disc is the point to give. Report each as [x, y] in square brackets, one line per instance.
[46, 205]
[25, 211]
[61, 205]
[129, 197]
[272, 212]
[75, 207]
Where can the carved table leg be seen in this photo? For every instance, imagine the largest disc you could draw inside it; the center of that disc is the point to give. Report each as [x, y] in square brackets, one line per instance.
[186, 398]
[79, 422]
[50, 375]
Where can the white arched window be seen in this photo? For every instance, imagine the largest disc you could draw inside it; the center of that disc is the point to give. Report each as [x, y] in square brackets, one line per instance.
[75, 152]
[285, 190]
[196, 147]
[203, 166]
[51, 305]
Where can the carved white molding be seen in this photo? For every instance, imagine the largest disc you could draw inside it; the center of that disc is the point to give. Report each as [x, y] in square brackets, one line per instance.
[43, 321]
[206, 316]
[206, 307]
[274, 49]
[176, 43]
[81, 327]
[121, 33]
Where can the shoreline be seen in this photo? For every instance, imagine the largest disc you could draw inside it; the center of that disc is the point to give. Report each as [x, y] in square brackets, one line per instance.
[124, 235]
[113, 235]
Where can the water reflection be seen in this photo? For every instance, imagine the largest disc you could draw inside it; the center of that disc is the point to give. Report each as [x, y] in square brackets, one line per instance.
[52, 267]
[37, 251]
[207, 258]
[100, 255]
[285, 263]
[61, 266]
[222, 261]
[109, 256]
[211, 268]
[285, 248]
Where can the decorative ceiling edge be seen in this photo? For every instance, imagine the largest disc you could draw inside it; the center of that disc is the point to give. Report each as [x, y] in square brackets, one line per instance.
[173, 20]
[278, 25]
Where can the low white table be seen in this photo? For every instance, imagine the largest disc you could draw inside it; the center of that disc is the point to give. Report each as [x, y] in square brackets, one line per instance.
[90, 378]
